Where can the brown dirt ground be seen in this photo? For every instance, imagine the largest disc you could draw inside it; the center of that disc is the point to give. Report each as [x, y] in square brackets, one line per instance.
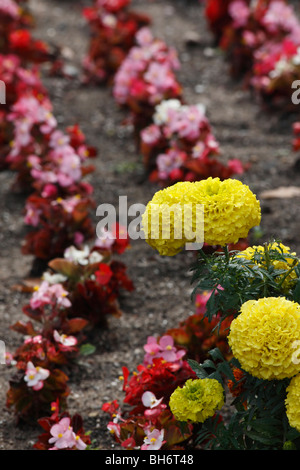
[162, 295]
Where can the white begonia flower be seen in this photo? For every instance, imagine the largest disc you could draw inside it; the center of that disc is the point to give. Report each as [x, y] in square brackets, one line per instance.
[150, 401]
[161, 111]
[79, 256]
[54, 278]
[95, 257]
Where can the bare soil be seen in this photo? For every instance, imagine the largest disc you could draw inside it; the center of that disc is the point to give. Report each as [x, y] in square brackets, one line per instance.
[162, 286]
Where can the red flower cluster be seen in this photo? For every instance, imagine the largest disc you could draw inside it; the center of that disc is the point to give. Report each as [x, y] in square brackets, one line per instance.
[113, 28]
[16, 37]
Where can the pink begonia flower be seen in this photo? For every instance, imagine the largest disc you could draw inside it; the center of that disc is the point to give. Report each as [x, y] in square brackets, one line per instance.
[153, 440]
[187, 122]
[46, 294]
[105, 239]
[34, 161]
[280, 16]
[68, 204]
[168, 350]
[32, 215]
[151, 348]
[249, 38]
[10, 8]
[164, 348]
[212, 143]
[167, 162]
[34, 339]
[49, 190]
[30, 77]
[144, 36]
[198, 149]
[158, 75]
[64, 436]
[150, 135]
[60, 295]
[201, 301]
[239, 12]
[65, 340]
[58, 139]
[9, 359]
[70, 167]
[46, 177]
[149, 400]
[35, 376]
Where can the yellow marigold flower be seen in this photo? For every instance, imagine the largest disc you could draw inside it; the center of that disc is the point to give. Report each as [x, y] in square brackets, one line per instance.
[279, 264]
[197, 400]
[262, 337]
[292, 402]
[229, 208]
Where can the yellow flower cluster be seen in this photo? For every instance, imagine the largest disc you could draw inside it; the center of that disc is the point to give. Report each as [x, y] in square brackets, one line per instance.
[279, 264]
[229, 211]
[197, 400]
[292, 402]
[262, 337]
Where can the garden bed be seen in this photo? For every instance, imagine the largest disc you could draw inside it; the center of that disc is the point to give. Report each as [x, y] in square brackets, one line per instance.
[161, 298]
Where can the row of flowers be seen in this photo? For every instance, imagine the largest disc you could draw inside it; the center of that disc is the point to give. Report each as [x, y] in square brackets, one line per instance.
[78, 278]
[175, 140]
[176, 396]
[261, 42]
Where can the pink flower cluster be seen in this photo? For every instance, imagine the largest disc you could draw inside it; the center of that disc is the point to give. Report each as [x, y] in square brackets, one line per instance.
[45, 294]
[10, 8]
[163, 348]
[63, 436]
[179, 145]
[262, 40]
[40, 148]
[147, 75]
[113, 28]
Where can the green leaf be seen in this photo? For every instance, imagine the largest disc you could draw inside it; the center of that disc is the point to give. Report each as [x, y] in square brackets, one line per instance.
[87, 349]
[197, 368]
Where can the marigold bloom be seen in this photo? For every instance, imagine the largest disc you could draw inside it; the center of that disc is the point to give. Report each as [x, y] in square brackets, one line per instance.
[197, 400]
[230, 211]
[292, 402]
[262, 337]
[253, 253]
